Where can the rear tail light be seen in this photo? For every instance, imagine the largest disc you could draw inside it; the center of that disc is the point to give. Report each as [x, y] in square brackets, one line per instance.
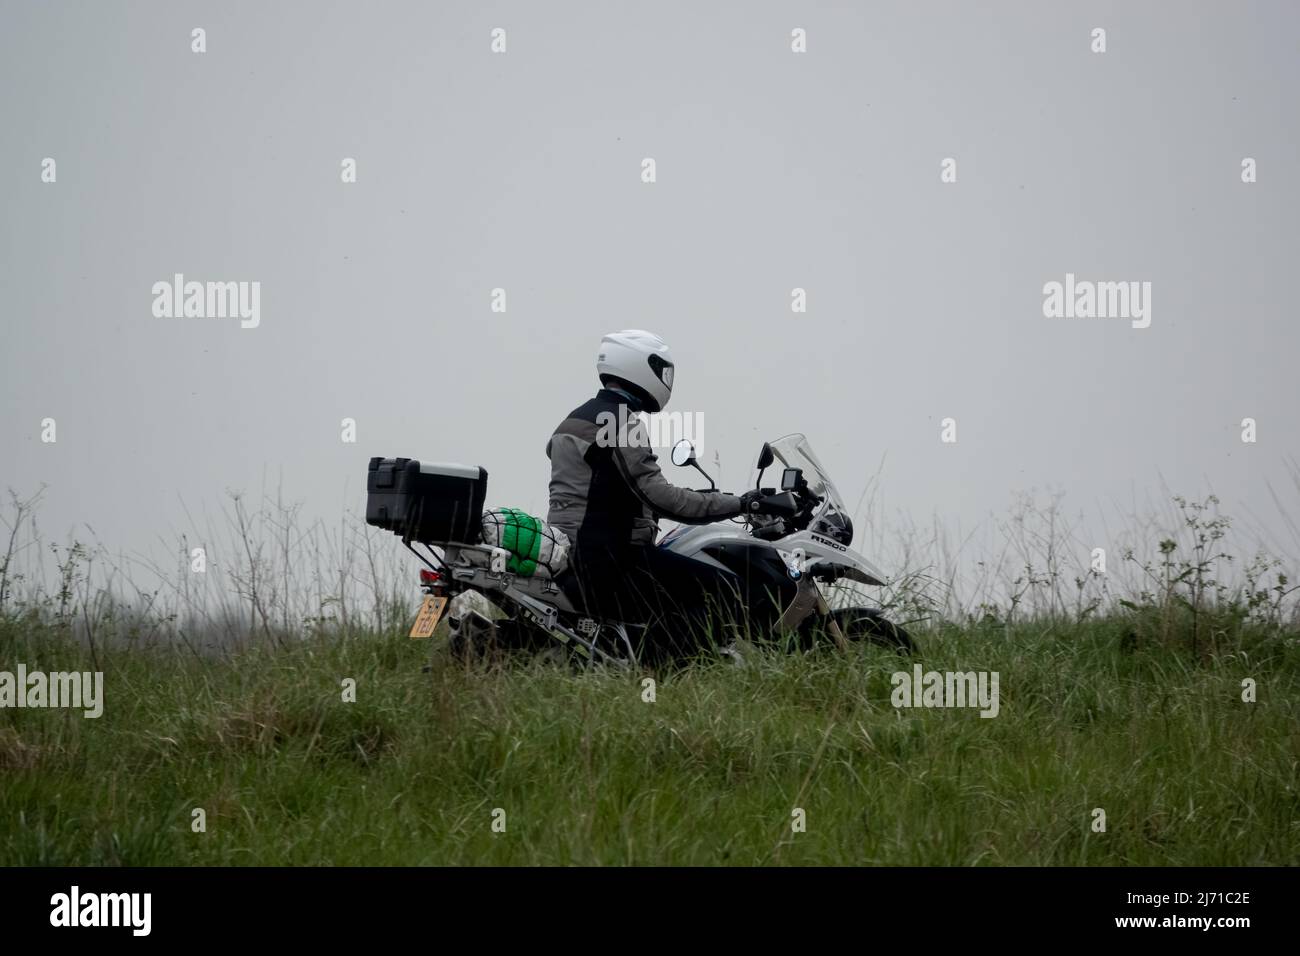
[428, 577]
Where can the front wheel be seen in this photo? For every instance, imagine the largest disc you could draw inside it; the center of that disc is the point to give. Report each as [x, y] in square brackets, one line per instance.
[870, 624]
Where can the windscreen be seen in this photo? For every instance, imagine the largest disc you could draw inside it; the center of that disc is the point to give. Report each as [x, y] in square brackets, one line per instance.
[793, 451]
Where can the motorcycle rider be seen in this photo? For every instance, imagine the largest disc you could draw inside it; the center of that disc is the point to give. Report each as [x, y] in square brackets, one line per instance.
[607, 494]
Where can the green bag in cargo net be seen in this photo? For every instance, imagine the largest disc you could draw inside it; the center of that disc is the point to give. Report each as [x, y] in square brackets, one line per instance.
[533, 545]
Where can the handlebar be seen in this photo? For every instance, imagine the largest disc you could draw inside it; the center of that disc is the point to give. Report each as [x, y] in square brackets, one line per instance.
[788, 511]
[781, 505]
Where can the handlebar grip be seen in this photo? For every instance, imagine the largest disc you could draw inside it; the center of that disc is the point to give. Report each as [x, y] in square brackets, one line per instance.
[782, 505]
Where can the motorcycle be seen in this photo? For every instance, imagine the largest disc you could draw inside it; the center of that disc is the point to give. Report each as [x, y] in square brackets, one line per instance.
[793, 545]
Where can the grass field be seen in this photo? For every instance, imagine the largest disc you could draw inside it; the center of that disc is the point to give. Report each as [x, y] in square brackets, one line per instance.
[586, 771]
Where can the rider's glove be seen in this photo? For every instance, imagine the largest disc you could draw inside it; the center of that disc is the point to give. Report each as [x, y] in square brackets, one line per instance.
[749, 500]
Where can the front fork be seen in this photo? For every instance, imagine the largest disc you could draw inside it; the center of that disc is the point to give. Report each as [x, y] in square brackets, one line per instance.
[809, 600]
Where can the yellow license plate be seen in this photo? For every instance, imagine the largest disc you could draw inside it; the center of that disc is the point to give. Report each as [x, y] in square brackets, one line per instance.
[430, 613]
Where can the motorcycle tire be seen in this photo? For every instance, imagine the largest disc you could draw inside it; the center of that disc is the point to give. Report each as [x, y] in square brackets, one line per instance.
[870, 624]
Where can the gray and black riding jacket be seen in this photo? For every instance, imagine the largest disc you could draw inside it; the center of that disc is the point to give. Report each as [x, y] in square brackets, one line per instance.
[607, 491]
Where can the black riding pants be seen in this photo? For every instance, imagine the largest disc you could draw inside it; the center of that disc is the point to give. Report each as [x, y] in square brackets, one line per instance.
[686, 604]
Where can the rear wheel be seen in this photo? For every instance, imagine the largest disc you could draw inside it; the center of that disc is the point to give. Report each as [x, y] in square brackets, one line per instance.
[474, 637]
[870, 624]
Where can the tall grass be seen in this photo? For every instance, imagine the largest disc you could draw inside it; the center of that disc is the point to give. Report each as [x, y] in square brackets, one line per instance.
[267, 574]
[587, 771]
[225, 693]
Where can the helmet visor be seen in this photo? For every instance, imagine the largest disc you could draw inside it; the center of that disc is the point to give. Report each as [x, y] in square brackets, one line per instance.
[663, 370]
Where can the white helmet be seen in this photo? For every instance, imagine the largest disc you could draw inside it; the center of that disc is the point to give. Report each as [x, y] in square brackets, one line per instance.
[642, 360]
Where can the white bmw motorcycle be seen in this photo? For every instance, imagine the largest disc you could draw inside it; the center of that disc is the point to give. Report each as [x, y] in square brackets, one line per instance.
[794, 545]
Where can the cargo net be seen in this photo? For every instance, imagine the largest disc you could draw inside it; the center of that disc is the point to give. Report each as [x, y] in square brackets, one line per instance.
[531, 543]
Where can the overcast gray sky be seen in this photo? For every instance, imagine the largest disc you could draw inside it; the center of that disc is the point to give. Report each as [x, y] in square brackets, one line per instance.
[522, 170]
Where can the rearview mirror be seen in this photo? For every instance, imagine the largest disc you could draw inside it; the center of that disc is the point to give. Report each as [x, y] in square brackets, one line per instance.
[765, 458]
[684, 454]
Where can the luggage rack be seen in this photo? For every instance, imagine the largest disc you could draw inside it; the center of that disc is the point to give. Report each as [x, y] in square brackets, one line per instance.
[480, 567]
